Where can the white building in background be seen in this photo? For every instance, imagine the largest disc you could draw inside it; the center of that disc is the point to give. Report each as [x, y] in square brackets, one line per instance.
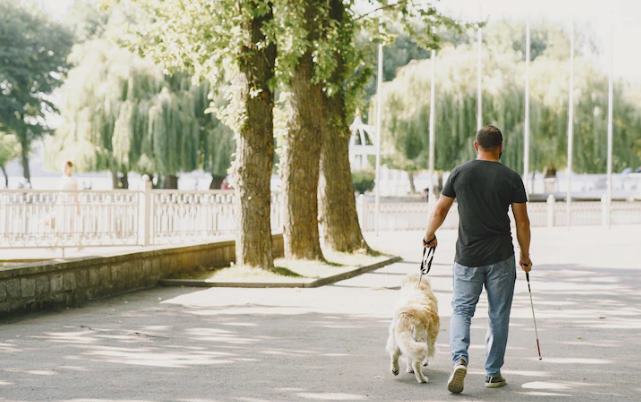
[362, 144]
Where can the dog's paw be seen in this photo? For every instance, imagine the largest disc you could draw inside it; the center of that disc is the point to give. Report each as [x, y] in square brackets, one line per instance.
[426, 363]
[410, 370]
[395, 370]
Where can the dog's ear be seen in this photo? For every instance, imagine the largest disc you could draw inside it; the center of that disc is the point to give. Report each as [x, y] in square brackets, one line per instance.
[409, 279]
[425, 284]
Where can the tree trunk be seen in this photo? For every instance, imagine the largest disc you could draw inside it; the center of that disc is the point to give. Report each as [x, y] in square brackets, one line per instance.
[255, 145]
[216, 182]
[124, 180]
[170, 182]
[114, 180]
[24, 158]
[410, 177]
[6, 177]
[119, 180]
[341, 229]
[301, 163]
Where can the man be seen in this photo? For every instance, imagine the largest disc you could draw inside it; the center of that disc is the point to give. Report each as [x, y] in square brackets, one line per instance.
[484, 189]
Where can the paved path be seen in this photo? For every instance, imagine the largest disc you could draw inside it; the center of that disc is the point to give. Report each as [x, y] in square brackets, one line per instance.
[182, 344]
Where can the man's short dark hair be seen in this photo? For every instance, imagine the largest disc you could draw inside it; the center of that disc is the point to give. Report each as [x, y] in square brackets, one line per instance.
[489, 137]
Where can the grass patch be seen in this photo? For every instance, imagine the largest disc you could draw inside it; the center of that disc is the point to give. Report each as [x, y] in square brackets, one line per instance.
[291, 270]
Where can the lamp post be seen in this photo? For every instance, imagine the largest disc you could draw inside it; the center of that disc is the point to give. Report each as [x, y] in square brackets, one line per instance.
[526, 123]
[432, 135]
[568, 194]
[379, 111]
[610, 112]
[479, 100]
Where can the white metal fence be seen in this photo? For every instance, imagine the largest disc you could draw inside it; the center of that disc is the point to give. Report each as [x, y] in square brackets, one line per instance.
[414, 215]
[154, 217]
[31, 219]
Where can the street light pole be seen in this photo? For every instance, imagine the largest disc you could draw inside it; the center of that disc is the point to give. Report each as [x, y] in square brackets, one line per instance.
[526, 123]
[379, 111]
[479, 100]
[610, 112]
[568, 194]
[432, 135]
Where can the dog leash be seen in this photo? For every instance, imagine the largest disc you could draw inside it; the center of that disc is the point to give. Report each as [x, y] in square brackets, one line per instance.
[426, 262]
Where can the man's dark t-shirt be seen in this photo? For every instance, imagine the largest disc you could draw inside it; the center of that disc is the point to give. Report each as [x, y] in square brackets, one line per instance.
[484, 191]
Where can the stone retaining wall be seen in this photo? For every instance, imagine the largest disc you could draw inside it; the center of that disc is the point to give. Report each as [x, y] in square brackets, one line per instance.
[42, 285]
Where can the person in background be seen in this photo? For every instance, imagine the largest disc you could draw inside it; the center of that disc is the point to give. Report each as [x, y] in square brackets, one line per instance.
[68, 182]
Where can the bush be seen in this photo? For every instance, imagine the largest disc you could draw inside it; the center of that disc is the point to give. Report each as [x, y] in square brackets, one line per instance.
[363, 181]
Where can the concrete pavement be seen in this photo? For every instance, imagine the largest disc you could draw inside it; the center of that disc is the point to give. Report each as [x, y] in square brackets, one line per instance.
[185, 344]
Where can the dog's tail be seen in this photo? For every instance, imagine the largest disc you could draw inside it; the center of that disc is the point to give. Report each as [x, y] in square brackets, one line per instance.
[405, 339]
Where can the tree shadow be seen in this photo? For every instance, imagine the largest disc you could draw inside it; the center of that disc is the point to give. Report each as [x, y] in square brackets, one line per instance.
[183, 344]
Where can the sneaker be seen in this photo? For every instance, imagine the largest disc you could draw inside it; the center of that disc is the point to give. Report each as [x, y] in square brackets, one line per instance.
[494, 381]
[455, 383]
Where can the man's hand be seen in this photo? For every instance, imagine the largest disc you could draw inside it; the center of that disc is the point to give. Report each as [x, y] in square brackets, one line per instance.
[526, 263]
[430, 240]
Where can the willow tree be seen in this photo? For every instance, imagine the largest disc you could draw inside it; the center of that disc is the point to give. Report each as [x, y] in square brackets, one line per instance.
[122, 113]
[406, 109]
[216, 139]
[33, 52]
[231, 43]
[105, 104]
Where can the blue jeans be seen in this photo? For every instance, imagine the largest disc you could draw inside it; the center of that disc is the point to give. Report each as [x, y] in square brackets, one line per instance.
[498, 280]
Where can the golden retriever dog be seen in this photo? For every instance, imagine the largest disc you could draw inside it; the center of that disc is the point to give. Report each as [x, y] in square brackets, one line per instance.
[415, 326]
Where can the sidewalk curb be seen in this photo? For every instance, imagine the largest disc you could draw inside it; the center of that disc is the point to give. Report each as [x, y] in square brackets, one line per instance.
[312, 284]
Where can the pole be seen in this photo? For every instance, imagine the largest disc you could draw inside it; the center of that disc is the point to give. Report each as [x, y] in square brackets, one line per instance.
[526, 123]
[610, 111]
[379, 111]
[568, 195]
[432, 135]
[479, 100]
[536, 330]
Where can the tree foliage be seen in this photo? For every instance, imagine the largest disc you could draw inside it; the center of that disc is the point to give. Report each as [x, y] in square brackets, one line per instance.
[122, 113]
[9, 150]
[406, 107]
[33, 52]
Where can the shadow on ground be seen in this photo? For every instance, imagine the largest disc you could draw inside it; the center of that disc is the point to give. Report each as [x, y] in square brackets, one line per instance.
[321, 344]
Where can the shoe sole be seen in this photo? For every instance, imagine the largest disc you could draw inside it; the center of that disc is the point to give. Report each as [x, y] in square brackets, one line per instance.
[495, 384]
[456, 382]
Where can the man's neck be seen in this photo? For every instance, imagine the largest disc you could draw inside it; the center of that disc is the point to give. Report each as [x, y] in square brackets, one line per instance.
[484, 156]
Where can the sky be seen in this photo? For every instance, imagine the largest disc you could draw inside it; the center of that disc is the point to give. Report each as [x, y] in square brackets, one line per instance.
[622, 17]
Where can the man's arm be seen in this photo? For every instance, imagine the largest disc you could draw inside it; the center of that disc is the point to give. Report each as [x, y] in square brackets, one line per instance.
[441, 209]
[523, 234]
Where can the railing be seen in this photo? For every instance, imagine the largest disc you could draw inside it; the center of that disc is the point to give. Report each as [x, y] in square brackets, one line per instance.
[58, 219]
[414, 215]
[154, 217]
[32, 219]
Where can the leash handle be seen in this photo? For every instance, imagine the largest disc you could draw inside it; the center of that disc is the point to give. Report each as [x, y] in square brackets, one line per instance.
[428, 257]
[426, 261]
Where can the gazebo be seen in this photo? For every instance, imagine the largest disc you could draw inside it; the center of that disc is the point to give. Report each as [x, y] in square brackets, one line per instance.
[361, 144]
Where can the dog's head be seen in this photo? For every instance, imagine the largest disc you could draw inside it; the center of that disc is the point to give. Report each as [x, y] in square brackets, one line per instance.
[413, 280]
